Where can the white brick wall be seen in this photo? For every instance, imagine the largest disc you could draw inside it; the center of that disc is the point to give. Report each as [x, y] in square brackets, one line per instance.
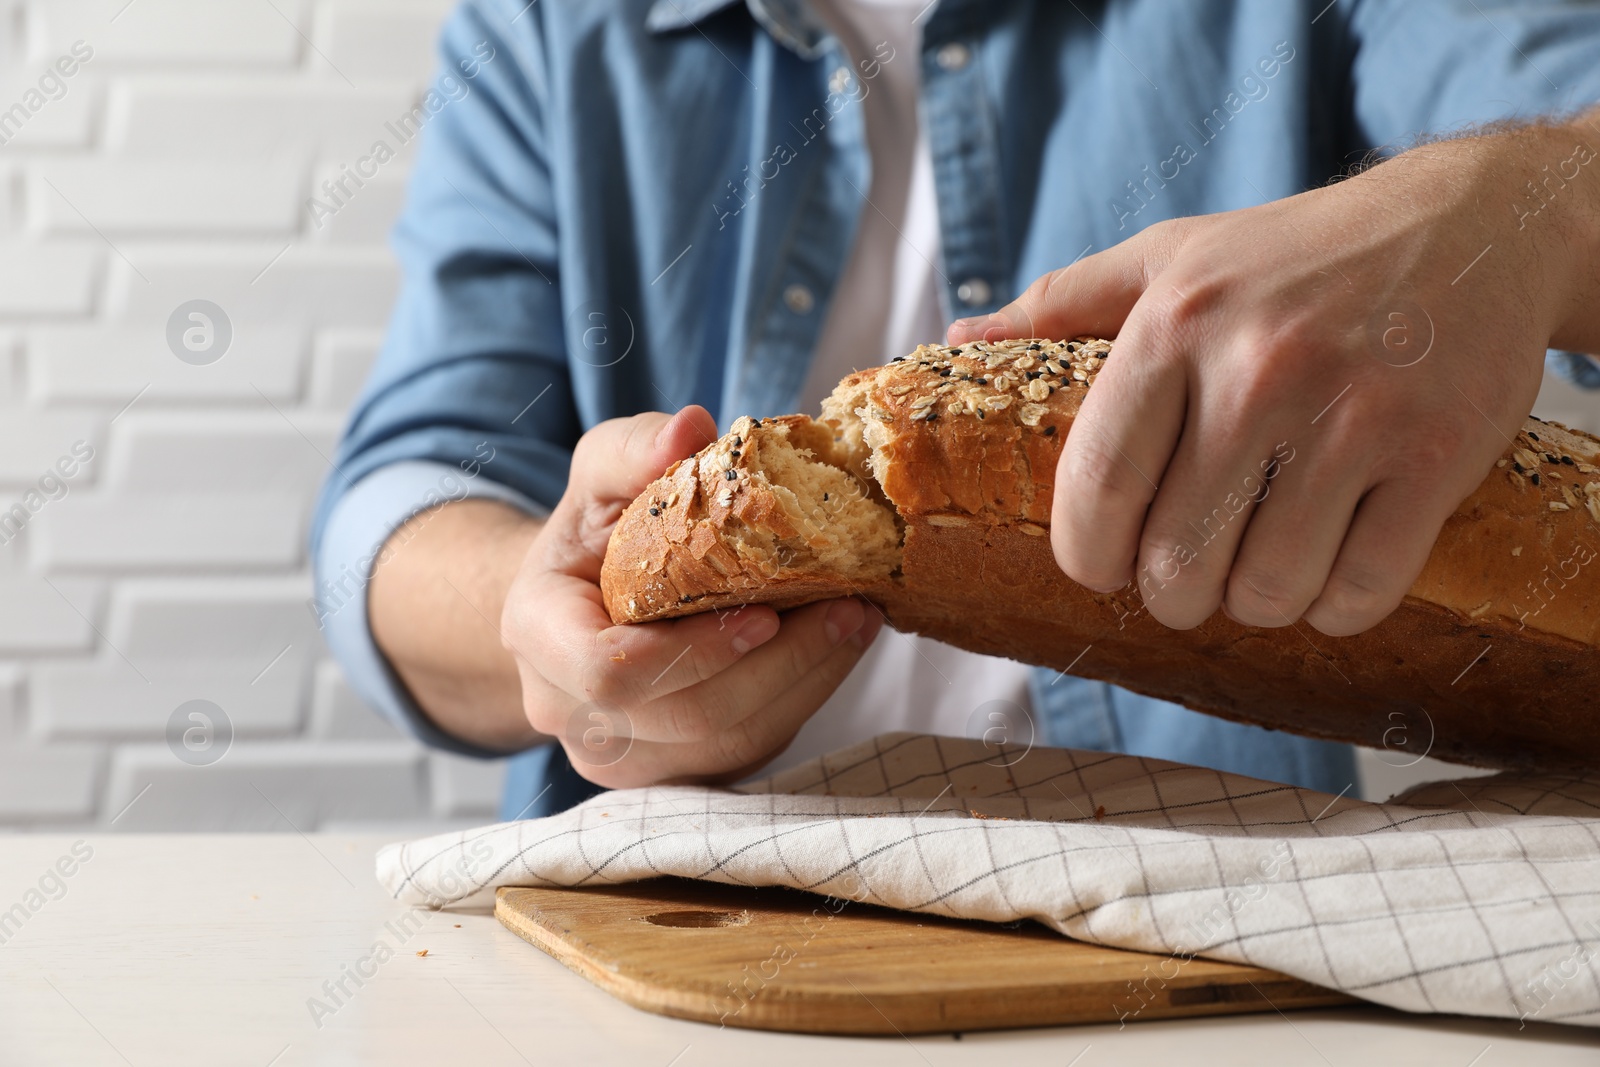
[138, 197]
[175, 167]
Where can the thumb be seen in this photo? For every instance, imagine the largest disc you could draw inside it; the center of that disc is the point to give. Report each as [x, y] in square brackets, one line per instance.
[616, 460]
[1092, 296]
[612, 465]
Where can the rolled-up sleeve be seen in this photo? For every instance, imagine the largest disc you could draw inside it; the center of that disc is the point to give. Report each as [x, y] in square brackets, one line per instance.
[1441, 66]
[470, 395]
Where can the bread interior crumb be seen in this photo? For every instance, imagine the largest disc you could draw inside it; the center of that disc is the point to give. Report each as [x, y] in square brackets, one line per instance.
[843, 524]
[858, 441]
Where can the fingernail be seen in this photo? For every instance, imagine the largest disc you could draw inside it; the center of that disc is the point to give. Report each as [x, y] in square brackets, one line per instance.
[843, 620]
[758, 631]
[869, 630]
[661, 434]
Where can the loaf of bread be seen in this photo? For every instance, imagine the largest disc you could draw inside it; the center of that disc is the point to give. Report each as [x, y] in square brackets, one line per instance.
[926, 487]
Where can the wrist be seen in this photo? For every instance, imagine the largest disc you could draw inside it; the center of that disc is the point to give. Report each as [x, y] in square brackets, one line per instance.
[434, 607]
[1555, 210]
[1527, 201]
[1578, 325]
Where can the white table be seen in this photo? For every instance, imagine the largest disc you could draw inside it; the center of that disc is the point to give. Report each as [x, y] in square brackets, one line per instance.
[174, 950]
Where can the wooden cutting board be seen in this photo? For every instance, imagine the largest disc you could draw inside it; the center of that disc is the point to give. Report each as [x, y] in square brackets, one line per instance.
[780, 959]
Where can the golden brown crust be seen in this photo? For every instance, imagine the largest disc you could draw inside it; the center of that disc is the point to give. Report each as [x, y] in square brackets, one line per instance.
[1520, 548]
[973, 430]
[1414, 681]
[1492, 657]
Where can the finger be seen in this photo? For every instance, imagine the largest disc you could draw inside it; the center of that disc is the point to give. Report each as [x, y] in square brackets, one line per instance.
[1114, 458]
[616, 460]
[585, 655]
[807, 638]
[1294, 535]
[635, 665]
[613, 464]
[1091, 297]
[1389, 541]
[750, 743]
[757, 738]
[1198, 519]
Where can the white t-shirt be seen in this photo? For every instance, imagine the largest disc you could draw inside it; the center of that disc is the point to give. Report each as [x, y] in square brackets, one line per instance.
[885, 304]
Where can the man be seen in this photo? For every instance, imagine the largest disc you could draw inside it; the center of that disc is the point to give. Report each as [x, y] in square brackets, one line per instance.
[714, 207]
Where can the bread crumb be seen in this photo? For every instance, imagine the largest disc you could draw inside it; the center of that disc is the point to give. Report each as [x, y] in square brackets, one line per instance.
[1517, 551]
[422, 952]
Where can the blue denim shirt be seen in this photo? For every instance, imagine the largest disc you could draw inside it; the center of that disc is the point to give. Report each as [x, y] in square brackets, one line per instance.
[632, 205]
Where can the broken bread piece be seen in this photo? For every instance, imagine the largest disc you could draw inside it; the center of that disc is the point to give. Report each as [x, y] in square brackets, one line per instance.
[771, 513]
[926, 486]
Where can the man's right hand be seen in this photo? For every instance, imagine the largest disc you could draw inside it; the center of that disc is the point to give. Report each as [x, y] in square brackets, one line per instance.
[709, 697]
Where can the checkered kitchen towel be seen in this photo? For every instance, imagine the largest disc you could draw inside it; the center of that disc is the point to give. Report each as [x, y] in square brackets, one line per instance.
[1479, 897]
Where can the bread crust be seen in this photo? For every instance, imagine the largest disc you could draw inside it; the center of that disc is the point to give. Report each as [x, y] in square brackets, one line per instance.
[1491, 659]
[673, 553]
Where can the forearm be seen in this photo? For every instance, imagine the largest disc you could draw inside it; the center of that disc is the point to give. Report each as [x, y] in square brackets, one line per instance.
[434, 606]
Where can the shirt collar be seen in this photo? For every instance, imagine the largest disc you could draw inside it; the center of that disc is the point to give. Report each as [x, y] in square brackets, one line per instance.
[790, 22]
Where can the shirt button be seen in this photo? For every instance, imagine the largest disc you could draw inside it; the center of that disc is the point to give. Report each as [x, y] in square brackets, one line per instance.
[799, 299]
[839, 81]
[952, 56]
[973, 292]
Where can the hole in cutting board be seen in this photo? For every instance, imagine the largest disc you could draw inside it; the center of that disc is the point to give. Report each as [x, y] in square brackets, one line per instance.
[698, 920]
